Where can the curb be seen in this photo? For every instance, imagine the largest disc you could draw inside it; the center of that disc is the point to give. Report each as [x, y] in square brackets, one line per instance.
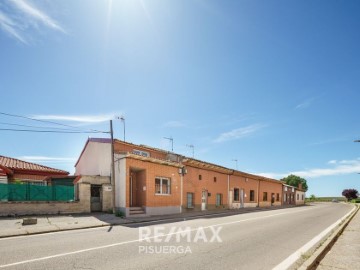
[53, 231]
[323, 248]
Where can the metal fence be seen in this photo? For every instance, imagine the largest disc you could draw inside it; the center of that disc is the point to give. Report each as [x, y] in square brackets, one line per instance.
[29, 192]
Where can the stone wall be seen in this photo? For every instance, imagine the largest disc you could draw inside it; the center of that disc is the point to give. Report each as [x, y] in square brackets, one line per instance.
[106, 190]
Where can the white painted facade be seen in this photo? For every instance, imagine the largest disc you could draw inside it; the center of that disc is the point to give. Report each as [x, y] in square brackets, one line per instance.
[299, 197]
[120, 183]
[95, 160]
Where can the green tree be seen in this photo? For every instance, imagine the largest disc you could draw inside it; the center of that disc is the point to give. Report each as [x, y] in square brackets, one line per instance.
[312, 197]
[350, 194]
[294, 180]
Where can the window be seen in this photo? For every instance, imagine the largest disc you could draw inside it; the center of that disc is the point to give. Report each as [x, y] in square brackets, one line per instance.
[302, 197]
[190, 200]
[236, 194]
[200, 177]
[218, 199]
[215, 179]
[252, 195]
[285, 188]
[285, 197]
[297, 196]
[277, 197]
[162, 185]
[265, 196]
[36, 183]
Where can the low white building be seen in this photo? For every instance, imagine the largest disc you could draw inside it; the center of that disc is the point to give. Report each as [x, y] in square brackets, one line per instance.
[299, 197]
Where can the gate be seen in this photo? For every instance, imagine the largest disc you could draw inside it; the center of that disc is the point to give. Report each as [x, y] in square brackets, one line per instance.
[96, 205]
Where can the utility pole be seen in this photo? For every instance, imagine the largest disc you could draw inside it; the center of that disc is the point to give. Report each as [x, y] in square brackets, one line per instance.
[172, 142]
[192, 147]
[112, 166]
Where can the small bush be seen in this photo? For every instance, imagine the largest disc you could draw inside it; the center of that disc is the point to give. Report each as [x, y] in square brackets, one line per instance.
[355, 200]
[120, 214]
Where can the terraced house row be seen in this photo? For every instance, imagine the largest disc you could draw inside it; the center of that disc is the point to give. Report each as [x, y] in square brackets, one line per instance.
[147, 181]
[150, 181]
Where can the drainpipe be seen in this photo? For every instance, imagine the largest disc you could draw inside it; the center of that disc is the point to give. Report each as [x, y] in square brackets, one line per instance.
[228, 191]
[181, 190]
[258, 193]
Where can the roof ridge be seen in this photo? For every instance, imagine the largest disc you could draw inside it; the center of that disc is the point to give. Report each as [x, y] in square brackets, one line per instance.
[30, 163]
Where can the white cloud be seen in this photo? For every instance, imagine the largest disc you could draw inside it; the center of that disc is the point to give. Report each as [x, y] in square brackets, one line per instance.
[173, 124]
[36, 14]
[8, 26]
[305, 104]
[332, 161]
[339, 168]
[21, 17]
[77, 118]
[46, 159]
[238, 133]
[330, 141]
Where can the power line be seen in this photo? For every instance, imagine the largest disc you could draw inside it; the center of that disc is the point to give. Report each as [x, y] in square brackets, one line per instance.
[19, 125]
[51, 122]
[49, 131]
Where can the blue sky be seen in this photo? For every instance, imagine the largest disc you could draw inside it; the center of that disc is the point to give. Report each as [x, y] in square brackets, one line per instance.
[273, 84]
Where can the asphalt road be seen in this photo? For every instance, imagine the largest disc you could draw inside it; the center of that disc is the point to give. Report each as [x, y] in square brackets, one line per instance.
[259, 240]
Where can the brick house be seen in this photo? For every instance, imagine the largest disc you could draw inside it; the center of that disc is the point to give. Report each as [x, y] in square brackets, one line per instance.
[44, 193]
[152, 181]
[12, 170]
[289, 194]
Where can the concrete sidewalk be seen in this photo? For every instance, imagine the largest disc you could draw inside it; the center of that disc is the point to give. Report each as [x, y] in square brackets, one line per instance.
[345, 254]
[13, 226]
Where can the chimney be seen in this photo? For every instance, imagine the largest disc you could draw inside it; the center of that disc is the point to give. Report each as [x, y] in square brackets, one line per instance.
[300, 185]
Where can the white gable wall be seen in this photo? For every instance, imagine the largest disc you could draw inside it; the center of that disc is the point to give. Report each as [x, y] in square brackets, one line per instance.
[301, 195]
[95, 160]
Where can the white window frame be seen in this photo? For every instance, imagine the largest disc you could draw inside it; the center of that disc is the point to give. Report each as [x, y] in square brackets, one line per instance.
[161, 186]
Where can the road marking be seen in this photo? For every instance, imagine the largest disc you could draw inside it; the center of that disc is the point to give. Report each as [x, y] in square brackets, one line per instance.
[285, 264]
[138, 240]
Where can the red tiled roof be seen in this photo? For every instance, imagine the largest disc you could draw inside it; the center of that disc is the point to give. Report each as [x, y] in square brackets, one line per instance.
[20, 165]
[2, 172]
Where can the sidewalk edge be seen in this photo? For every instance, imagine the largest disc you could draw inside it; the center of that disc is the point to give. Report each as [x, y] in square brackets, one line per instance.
[320, 251]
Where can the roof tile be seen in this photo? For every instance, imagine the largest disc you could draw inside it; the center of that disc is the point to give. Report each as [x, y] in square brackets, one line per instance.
[17, 164]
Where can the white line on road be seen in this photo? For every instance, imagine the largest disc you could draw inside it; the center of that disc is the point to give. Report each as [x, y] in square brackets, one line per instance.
[305, 248]
[139, 240]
